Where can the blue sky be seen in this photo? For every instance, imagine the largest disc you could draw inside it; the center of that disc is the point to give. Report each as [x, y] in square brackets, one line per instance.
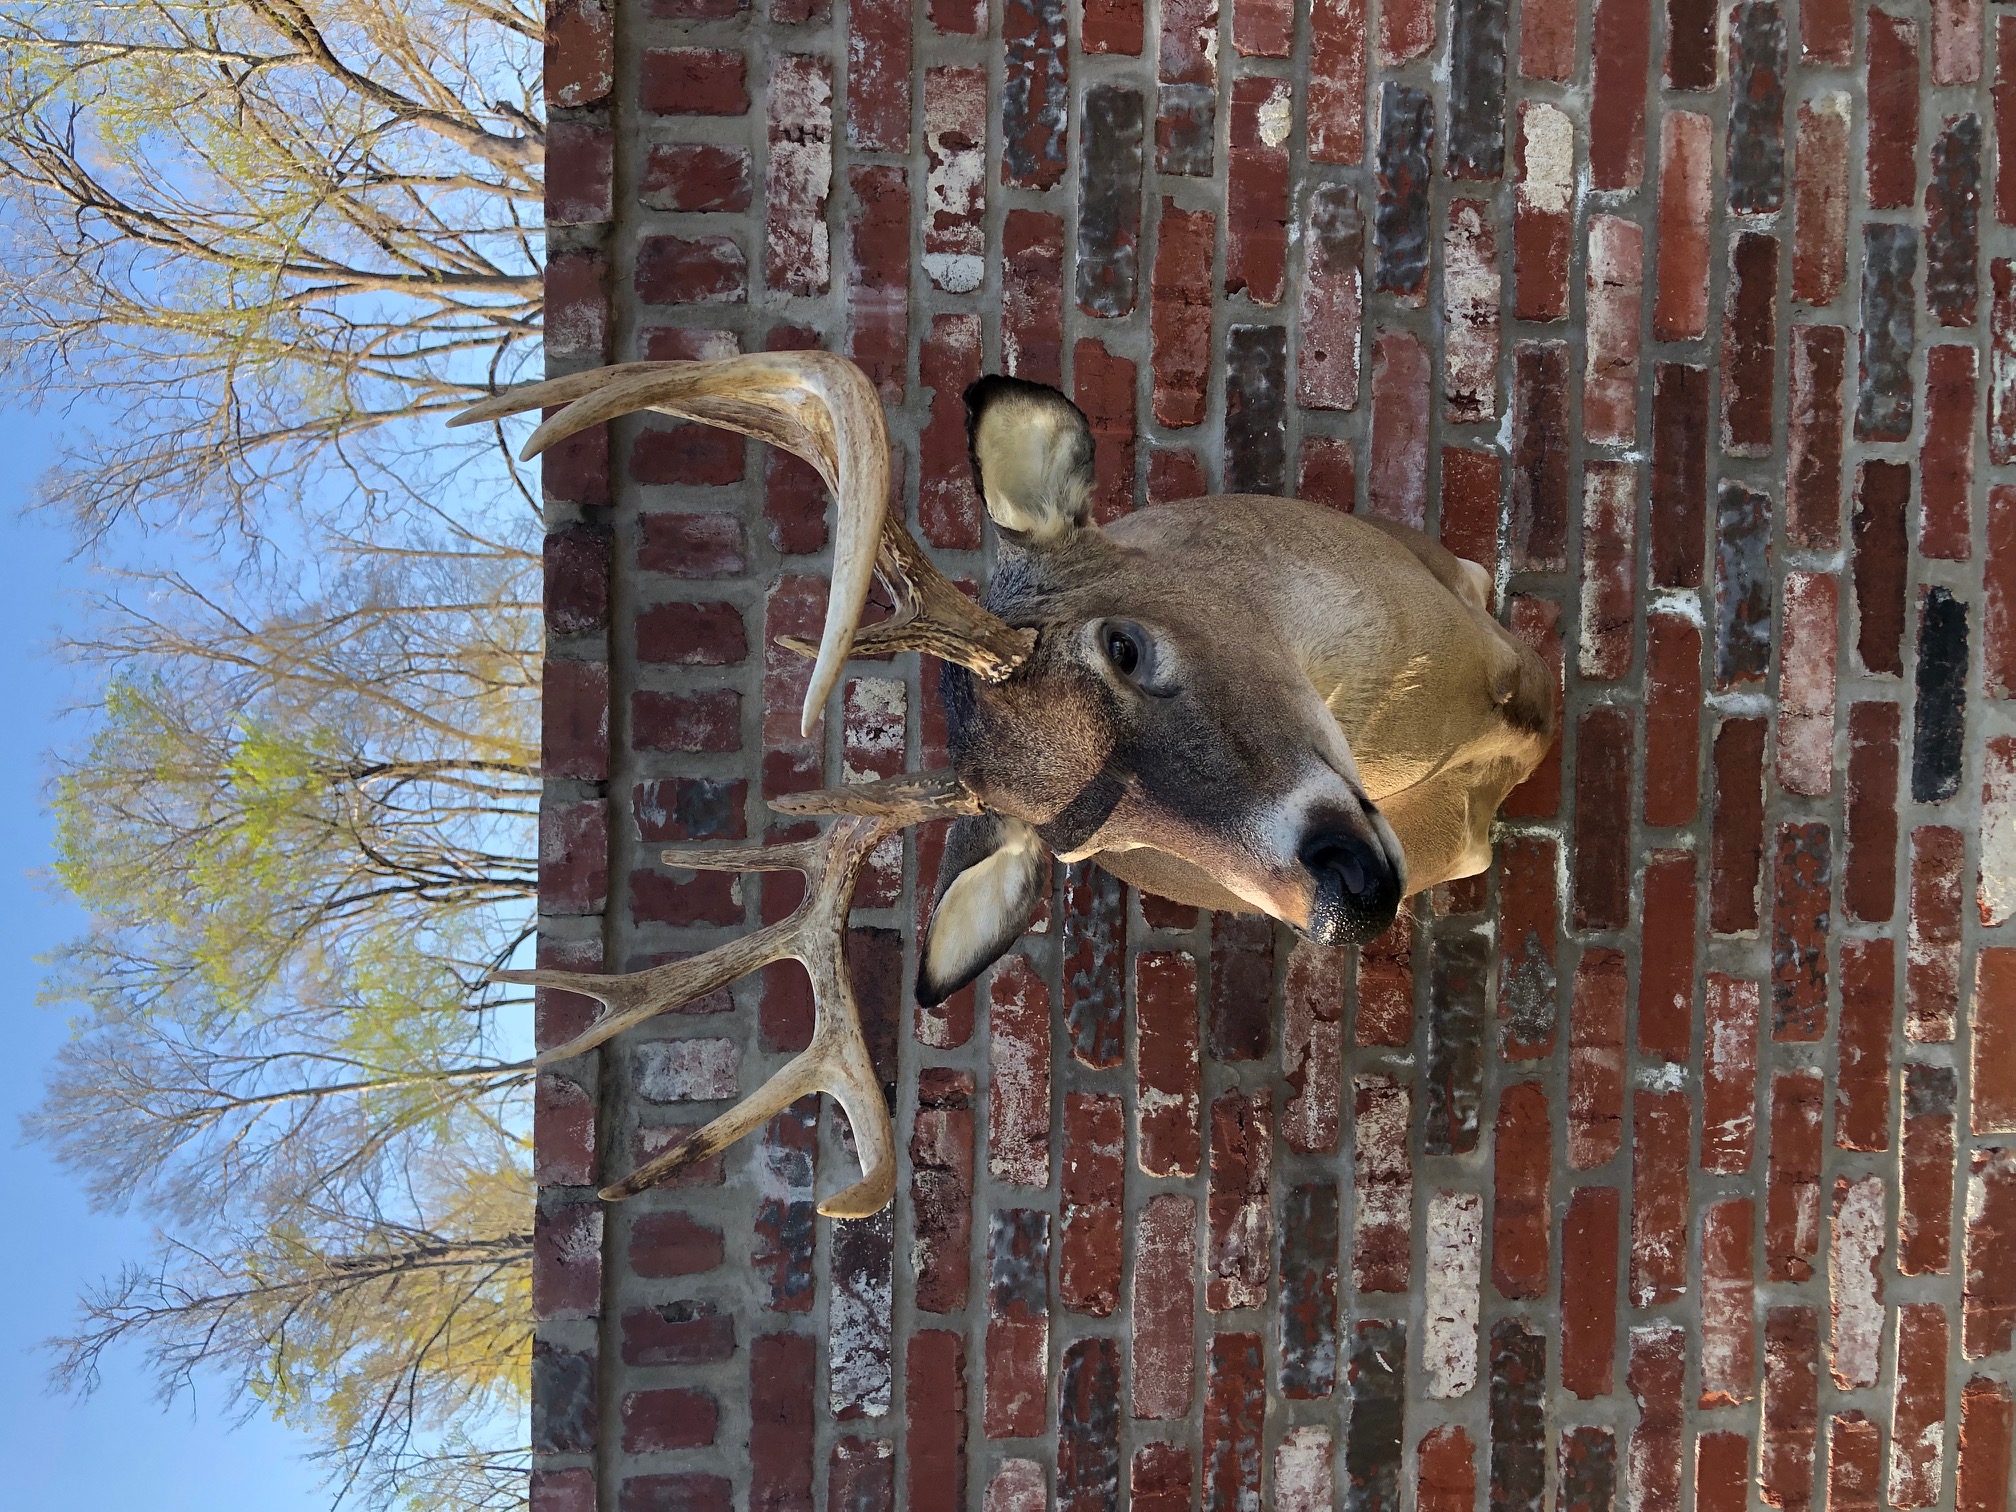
[121, 1450]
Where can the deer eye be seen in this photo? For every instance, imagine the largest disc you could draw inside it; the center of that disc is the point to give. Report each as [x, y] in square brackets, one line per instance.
[1123, 649]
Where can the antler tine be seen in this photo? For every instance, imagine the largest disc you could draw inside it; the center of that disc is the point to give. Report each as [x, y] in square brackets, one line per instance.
[913, 797]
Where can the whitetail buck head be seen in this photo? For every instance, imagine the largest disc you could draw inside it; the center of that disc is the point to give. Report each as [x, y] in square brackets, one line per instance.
[1237, 702]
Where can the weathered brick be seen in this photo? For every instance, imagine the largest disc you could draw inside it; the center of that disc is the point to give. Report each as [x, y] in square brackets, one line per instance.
[1032, 296]
[1672, 718]
[1988, 1318]
[1159, 1479]
[1518, 1416]
[1163, 1302]
[1035, 93]
[1521, 1213]
[1615, 289]
[797, 255]
[1883, 404]
[948, 510]
[1386, 986]
[1855, 1281]
[1307, 1314]
[1686, 172]
[1870, 883]
[878, 75]
[573, 742]
[1112, 26]
[577, 299]
[1932, 962]
[2005, 119]
[1600, 863]
[1406, 30]
[955, 182]
[1235, 1409]
[878, 303]
[1397, 487]
[1336, 90]
[1256, 409]
[1953, 223]
[1167, 1128]
[1587, 1471]
[668, 1419]
[1925, 1170]
[934, 1395]
[1382, 1184]
[1088, 1425]
[1882, 493]
[1529, 920]
[941, 1190]
[1018, 1323]
[1862, 1085]
[1459, 961]
[1756, 147]
[782, 1369]
[1455, 1226]
[1103, 387]
[1240, 1019]
[1750, 339]
[860, 1374]
[693, 81]
[1986, 1478]
[1543, 213]
[1791, 1405]
[1658, 1198]
[1089, 1238]
[580, 170]
[786, 1179]
[1609, 563]
[1596, 1060]
[1827, 31]
[1729, 1074]
[1589, 1291]
[1406, 165]
[1939, 714]
[1256, 189]
[1477, 89]
[1470, 299]
[580, 52]
[1655, 1377]
[1018, 1485]
[2002, 363]
[1018, 1063]
[1816, 420]
[1892, 84]
[1737, 845]
[1800, 921]
[1742, 585]
[1240, 1205]
[1995, 893]
[1109, 199]
[1375, 1426]
[1332, 303]
[1806, 683]
[1180, 315]
[686, 1491]
[1472, 486]
[573, 857]
[1918, 1411]
[1722, 1472]
[1303, 1478]
[1621, 40]
[1540, 441]
[1946, 456]
[1820, 200]
[1312, 1037]
[1854, 1463]
[1728, 1303]
[677, 1333]
[1536, 622]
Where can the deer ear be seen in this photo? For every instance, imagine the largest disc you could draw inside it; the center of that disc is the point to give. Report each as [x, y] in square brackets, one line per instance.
[994, 873]
[1032, 457]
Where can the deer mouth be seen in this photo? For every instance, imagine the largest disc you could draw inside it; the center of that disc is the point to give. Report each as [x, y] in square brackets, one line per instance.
[1357, 882]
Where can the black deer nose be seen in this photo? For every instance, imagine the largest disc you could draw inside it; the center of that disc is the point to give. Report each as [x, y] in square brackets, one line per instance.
[1357, 892]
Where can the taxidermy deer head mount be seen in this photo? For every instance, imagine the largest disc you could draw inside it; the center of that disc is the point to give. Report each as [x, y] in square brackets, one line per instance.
[1237, 702]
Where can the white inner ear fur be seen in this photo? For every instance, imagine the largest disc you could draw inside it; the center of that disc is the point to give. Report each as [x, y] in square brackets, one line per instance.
[1036, 479]
[985, 902]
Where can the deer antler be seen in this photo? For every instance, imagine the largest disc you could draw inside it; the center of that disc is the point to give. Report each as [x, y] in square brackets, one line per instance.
[820, 407]
[836, 1062]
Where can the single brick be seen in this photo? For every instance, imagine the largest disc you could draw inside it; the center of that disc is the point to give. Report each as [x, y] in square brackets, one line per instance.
[1868, 1005]
[668, 1419]
[1088, 1425]
[1946, 457]
[1686, 171]
[1386, 986]
[1543, 213]
[1520, 1208]
[1939, 715]
[1656, 1375]
[1035, 93]
[798, 175]
[1477, 90]
[1932, 960]
[1406, 166]
[1750, 344]
[1235, 1411]
[1925, 1170]
[1615, 290]
[1820, 200]
[1332, 303]
[1547, 40]
[1883, 404]
[1953, 222]
[1382, 1184]
[1621, 39]
[1303, 1478]
[1402, 378]
[1729, 1074]
[1518, 1416]
[1791, 1405]
[1326, 472]
[1882, 493]
[580, 52]
[1160, 1477]
[1032, 296]
[1163, 1302]
[1256, 409]
[1376, 1424]
[786, 1181]
[1672, 718]
[573, 742]
[1854, 1464]
[1312, 1043]
[1406, 30]
[1855, 1281]
[1167, 1130]
[1800, 921]
[1987, 1429]
[1600, 862]
[1308, 1318]
[1256, 189]
[941, 1191]
[1658, 1198]
[700, 176]
[1471, 290]
[1186, 109]
[1742, 585]
[1018, 1485]
[1609, 563]
[2005, 120]
[1018, 1066]
[566, 1257]
[1529, 920]
[1587, 1471]
[1728, 1303]
[1814, 436]
[878, 75]
[1589, 1291]
[1103, 387]
[1112, 26]
[1263, 28]
[1995, 893]
[1536, 622]
[1089, 1237]
[955, 182]
[1540, 441]
[878, 308]
[677, 1333]
[1180, 313]
[934, 1395]
[1109, 200]
[1018, 1323]
[782, 1369]
[1871, 871]
[1240, 1204]
[1459, 961]
[1455, 1244]
[1737, 844]
[1472, 485]
[1918, 1409]
[1596, 1060]
[1336, 90]
[1722, 1472]
[1806, 660]
[948, 509]
[860, 1377]
[1892, 85]
[693, 81]
[1756, 148]
[1988, 1317]
[2002, 363]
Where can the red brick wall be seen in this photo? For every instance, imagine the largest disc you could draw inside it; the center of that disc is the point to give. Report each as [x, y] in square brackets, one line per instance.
[1678, 1151]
